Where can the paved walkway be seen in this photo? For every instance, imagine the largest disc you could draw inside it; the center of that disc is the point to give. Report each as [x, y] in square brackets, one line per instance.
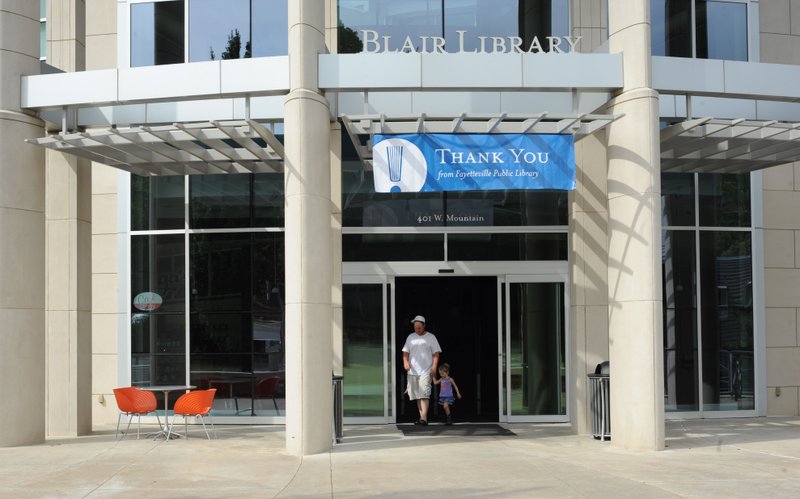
[758, 457]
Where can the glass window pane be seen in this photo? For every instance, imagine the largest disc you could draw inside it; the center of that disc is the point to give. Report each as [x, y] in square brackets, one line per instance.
[158, 332]
[240, 354]
[157, 203]
[724, 200]
[508, 247]
[726, 277]
[677, 199]
[391, 18]
[417, 18]
[671, 27]
[721, 30]
[681, 368]
[268, 200]
[42, 40]
[158, 346]
[220, 272]
[219, 201]
[392, 247]
[363, 350]
[219, 29]
[270, 27]
[537, 361]
[157, 274]
[157, 33]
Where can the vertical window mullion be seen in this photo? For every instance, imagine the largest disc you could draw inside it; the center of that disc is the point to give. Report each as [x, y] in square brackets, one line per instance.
[186, 29]
[693, 30]
[698, 294]
[186, 279]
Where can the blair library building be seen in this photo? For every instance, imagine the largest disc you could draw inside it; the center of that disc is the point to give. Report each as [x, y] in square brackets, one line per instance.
[259, 195]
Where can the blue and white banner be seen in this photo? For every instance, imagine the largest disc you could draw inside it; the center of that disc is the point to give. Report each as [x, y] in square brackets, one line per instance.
[472, 162]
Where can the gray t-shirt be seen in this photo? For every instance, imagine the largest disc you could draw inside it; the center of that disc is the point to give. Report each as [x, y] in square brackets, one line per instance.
[420, 352]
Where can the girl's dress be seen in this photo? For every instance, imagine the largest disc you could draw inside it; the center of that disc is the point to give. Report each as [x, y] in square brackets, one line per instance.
[446, 392]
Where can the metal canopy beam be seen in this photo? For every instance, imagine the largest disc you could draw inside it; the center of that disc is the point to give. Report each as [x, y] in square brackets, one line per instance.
[361, 128]
[728, 146]
[237, 146]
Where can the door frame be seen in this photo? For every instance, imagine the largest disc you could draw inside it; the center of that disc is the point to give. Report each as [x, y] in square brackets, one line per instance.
[506, 272]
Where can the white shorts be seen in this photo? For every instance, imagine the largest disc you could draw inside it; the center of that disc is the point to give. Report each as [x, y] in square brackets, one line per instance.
[418, 387]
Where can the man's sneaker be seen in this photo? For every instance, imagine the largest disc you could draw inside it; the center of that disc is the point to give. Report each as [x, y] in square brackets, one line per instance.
[449, 421]
[422, 422]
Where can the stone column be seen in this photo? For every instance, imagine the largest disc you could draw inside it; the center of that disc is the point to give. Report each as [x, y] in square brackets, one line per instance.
[634, 239]
[309, 248]
[69, 249]
[22, 248]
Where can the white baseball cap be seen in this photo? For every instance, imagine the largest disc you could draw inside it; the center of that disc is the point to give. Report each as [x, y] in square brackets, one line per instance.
[418, 318]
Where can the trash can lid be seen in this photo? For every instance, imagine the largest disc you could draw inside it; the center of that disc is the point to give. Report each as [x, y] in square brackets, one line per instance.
[603, 368]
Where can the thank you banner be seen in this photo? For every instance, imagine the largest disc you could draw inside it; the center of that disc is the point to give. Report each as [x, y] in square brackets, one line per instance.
[472, 162]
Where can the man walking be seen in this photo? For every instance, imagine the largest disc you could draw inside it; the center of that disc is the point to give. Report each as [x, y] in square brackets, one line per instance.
[420, 360]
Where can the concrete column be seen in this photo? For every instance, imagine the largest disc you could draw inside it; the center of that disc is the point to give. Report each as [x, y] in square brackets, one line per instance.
[69, 251]
[309, 237]
[634, 239]
[109, 239]
[588, 229]
[22, 248]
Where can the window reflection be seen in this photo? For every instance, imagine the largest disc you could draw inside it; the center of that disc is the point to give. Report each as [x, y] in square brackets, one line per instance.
[237, 335]
[157, 33]
[720, 29]
[727, 319]
[724, 200]
[157, 202]
[419, 18]
[158, 333]
[218, 29]
[677, 199]
[709, 269]
[219, 201]
[363, 351]
[680, 321]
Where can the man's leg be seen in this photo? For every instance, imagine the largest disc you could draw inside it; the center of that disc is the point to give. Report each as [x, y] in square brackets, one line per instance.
[422, 404]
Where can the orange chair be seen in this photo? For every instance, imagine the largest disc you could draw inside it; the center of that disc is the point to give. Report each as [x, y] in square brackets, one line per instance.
[224, 391]
[197, 403]
[134, 402]
[266, 388]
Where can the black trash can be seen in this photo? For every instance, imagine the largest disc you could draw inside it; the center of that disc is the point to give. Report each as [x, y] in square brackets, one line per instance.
[600, 401]
[338, 407]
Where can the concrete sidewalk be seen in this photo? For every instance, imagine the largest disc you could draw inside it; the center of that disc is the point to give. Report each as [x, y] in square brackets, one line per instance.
[757, 457]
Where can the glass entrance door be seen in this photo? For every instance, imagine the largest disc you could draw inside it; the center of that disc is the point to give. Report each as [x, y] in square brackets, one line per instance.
[365, 348]
[462, 312]
[535, 350]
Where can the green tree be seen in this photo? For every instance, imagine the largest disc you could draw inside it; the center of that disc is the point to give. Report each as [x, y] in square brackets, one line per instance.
[234, 47]
[349, 42]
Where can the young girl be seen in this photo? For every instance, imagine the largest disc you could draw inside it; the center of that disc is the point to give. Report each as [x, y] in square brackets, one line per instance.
[448, 384]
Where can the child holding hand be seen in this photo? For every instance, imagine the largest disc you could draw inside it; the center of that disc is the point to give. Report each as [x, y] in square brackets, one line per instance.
[447, 387]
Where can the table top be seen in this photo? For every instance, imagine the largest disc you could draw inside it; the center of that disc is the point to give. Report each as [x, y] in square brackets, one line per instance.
[167, 388]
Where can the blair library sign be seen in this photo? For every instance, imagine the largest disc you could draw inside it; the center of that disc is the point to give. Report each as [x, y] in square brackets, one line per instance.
[375, 43]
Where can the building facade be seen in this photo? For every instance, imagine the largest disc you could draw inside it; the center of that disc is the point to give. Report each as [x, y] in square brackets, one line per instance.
[192, 194]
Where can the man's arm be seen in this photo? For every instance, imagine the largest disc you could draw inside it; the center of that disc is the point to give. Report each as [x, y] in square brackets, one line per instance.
[406, 366]
[435, 367]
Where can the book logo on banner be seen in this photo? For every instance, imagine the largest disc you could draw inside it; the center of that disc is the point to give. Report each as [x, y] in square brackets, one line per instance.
[399, 166]
[473, 162]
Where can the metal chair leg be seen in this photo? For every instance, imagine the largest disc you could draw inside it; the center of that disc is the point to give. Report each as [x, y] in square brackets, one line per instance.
[116, 435]
[128, 428]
